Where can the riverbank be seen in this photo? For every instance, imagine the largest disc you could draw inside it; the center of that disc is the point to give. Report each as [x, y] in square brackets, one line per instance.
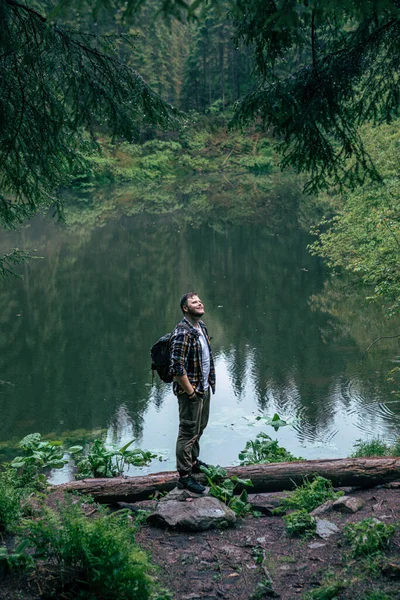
[256, 559]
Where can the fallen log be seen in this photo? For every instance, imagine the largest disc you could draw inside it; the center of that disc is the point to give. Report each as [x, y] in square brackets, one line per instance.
[274, 477]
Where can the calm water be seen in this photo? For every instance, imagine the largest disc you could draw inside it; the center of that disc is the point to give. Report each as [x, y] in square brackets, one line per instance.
[288, 337]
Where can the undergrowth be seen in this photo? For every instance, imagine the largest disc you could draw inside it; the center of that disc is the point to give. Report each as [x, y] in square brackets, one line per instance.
[309, 495]
[375, 447]
[369, 536]
[99, 552]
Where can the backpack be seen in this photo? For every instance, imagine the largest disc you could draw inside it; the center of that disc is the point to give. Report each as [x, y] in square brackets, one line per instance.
[161, 355]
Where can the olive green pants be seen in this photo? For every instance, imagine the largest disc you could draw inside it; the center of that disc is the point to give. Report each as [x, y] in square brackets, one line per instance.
[193, 419]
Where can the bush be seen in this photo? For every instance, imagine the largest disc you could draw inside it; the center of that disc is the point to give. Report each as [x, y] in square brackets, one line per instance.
[369, 536]
[10, 504]
[299, 522]
[264, 450]
[310, 495]
[375, 447]
[99, 552]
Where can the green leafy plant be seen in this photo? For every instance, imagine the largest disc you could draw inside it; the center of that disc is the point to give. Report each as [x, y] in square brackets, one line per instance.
[299, 522]
[328, 591]
[369, 536]
[264, 450]
[38, 456]
[101, 461]
[375, 447]
[275, 421]
[14, 559]
[99, 553]
[224, 489]
[309, 495]
[10, 503]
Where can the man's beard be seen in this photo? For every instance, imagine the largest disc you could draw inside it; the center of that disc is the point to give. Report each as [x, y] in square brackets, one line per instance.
[195, 314]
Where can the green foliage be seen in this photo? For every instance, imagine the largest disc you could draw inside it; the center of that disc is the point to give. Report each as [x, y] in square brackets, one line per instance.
[57, 85]
[264, 450]
[329, 591]
[38, 456]
[369, 536]
[103, 462]
[299, 522]
[15, 559]
[224, 489]
[309, 495]
[99, 552]
[10, 503]
[375, 447]
[363, 238]
[324, 68]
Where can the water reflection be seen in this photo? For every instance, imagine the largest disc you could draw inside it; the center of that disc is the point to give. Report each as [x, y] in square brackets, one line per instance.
[76, 332]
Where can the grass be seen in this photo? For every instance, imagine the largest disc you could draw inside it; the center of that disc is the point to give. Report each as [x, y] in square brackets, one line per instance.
[375, 447]
[369, 536]
[299, 522]
[309, 495]
[99, 552]
[328, 591]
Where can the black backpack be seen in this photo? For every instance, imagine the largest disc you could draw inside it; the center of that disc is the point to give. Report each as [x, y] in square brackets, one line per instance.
[160, 356]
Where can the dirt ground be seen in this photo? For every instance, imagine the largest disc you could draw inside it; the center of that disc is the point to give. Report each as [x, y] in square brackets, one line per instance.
[231, 564]
[256, 559]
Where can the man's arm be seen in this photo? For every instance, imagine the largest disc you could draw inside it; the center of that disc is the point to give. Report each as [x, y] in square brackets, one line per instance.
[179, 351]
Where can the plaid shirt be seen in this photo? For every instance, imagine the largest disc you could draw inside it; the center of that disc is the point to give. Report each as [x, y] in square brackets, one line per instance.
[186, 356]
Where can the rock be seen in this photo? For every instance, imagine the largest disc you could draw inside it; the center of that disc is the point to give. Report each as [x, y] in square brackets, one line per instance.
[200, 514]
[266, 503]
[179, 495]
[323, 508]
[348, 504]
[325, 528]
[346, 489]
[315, 545]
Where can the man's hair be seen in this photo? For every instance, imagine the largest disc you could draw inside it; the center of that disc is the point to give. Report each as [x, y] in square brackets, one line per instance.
[185, 298]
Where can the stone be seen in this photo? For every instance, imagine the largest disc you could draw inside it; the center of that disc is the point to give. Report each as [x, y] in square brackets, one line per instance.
[323, 508]
[180, 495]
[201, 514]
[325, 529]
[266, 503]
[315, 545]
[348, 504]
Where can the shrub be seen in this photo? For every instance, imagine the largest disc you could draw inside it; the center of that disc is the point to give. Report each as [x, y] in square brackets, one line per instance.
[99, 552]
[108, 462]
[310, 495]
[369, 536]
[375, 447]
[326, 592]
[264, 450]
[10, 504]
[299, 522]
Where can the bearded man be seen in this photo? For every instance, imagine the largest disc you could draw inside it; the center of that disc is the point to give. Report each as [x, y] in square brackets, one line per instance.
[192, 366]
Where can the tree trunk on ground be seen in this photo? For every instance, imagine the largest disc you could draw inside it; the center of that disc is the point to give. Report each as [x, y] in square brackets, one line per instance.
[363, 472]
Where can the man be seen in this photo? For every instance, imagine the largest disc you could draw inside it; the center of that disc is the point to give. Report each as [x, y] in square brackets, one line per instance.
[192, 365]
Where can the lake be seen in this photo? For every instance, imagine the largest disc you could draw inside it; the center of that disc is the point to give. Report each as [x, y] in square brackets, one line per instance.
[288, 336]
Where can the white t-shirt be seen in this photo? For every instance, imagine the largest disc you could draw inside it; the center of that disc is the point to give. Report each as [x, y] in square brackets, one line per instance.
[205, 358]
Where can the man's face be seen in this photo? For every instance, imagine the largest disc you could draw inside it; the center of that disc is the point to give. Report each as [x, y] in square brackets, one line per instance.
[194, 307]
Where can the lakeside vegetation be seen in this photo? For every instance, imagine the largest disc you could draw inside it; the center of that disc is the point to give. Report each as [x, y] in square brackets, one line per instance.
[69, 543]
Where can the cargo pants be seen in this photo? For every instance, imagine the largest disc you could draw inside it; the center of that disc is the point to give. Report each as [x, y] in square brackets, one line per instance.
[193, 418]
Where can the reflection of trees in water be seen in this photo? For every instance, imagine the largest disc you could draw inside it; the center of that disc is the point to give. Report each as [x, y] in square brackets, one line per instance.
[91, 310]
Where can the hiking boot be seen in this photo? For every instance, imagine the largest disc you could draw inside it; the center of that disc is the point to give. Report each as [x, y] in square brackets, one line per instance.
[189, 483]
[197, 465]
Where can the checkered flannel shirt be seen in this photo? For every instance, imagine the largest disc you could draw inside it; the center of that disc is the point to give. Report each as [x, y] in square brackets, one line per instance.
[186, 356]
